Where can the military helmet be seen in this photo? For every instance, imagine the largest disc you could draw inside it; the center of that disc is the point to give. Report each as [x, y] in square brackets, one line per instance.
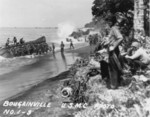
[135, 44]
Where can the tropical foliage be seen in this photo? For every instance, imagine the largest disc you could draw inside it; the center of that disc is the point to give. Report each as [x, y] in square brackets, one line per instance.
[105, 9]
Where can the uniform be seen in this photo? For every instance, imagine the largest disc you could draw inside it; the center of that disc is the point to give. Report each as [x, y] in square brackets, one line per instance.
[62, 47]
[114, 65]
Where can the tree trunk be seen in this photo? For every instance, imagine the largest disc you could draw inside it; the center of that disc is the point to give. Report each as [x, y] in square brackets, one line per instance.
[138, 19]
[147, 17]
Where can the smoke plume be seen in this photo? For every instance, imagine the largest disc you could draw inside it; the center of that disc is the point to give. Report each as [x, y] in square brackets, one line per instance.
[65, 29]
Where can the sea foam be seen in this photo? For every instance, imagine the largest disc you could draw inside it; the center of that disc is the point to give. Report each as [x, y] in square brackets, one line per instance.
[2, 58]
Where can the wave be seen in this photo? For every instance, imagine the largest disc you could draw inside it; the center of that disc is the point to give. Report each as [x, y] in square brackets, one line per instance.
[10, 64]
[2, 58]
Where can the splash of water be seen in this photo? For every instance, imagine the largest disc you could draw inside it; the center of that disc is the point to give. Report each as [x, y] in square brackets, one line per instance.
[2, 58]
[10, 64]
[65, 29]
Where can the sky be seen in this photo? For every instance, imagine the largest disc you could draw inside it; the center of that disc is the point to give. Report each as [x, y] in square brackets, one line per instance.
[44, 13]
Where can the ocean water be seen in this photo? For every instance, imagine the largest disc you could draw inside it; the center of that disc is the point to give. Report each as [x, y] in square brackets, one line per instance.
[20, 73]
[29, 34]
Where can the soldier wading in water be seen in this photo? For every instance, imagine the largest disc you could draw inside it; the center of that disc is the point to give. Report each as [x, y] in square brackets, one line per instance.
[71, 45]
[62, 46]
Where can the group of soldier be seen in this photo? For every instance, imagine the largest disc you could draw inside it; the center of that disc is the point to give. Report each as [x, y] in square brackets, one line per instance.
[29, 49]
[62, 45]
[15, 42]
[21, 48]
[118, 60]
[93, 39]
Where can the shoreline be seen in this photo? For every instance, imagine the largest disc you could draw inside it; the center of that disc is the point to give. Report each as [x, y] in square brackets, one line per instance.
[77, 50]
[26, 92]
[56, 80]
[67, 50]
[30, 95]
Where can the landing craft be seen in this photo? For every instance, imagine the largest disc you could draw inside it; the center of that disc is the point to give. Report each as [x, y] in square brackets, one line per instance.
[38, 46]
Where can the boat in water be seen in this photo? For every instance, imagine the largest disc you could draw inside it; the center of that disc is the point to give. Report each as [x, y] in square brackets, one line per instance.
[38, 46]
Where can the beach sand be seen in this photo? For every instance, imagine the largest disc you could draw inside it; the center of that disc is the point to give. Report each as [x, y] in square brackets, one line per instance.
[84, 51]
[46, 93]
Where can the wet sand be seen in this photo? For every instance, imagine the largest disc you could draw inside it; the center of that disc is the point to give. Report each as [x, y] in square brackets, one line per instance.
[83, 52]
[40, 69]
[45, 92]
[29, 75]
